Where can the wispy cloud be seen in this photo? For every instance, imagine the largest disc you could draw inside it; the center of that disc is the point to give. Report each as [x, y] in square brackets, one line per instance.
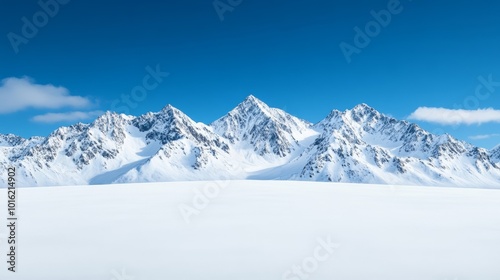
[17, 94]
[483, 136]
[66, 117]
[445, 116]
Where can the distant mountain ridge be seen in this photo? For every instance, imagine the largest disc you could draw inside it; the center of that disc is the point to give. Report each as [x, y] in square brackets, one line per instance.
[252, 141]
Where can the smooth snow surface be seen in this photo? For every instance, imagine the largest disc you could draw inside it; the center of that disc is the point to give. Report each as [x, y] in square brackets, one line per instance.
[255, 230]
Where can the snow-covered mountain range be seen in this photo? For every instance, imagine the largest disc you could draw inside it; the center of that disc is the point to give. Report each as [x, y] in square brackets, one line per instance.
[253, 141]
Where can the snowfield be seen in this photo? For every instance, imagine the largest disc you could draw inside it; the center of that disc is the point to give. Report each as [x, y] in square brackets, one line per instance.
[255, 230]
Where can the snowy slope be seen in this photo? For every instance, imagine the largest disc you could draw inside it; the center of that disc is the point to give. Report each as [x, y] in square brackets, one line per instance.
[256, 230]
[362, 145]
[252, 141]
[495, 154]
[77, 153]
[189, 151]
[265, 131]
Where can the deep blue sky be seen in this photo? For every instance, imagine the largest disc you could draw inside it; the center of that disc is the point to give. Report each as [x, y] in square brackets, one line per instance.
[283, 52]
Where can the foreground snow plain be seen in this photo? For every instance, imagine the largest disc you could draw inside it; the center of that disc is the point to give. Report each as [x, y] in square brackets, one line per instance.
[255, 230]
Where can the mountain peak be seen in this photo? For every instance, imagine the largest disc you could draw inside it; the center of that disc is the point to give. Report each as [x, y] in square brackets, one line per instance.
[107, 115]
[363, 107]
[10, 139]
[251, 102]
[108, 118]
[495, 153]
[269, 131]
[168, 108]
[496, 148]
[251, 107]
[173, 112]
[363, 112]
[252, 98]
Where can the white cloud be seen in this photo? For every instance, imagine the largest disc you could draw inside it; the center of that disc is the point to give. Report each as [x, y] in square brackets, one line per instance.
[483, 136]
[17, 94]
[66, 117]
[445, 116]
